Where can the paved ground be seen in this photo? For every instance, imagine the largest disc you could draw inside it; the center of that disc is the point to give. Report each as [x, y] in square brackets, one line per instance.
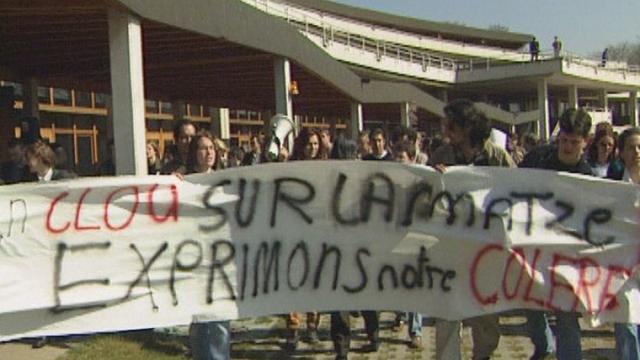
[262, 338]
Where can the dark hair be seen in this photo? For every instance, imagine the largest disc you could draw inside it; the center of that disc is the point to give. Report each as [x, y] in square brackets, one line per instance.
[575, 121]
[179, 125]
[593, 149]
[465, 115]
[42, 151]
[626, 135]
[377, 131]
[192, 158]
[301, 142]
[402, 132]
[530, 139]
[344, 149]
[405, 146]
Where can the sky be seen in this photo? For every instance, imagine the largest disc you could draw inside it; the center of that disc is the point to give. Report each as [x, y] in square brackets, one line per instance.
[585, 27]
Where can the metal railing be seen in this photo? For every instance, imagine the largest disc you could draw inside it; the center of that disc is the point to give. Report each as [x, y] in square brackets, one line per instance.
[381, 49]
[316, 26]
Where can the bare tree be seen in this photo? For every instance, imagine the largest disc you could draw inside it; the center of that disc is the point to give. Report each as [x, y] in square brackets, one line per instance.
[626, 51]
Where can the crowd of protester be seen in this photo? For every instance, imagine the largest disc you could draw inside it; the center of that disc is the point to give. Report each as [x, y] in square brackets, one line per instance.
[465, 139]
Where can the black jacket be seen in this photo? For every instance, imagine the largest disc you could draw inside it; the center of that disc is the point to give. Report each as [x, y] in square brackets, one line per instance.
[546, 157]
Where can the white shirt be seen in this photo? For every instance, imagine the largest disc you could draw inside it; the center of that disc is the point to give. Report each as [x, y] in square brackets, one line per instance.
[47, 176]
[600, 170]
[384, 153]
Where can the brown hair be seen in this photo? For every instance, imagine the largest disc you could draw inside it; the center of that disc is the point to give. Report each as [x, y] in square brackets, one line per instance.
[193, 149]
[602, 132]
[41, 151]
[301, 143]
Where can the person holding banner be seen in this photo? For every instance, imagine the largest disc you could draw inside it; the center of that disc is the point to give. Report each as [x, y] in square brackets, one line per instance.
[469, 129]
[627, 346]
[378, 147]
[345, 149]
[41, 161]
[307, 146]
[182, 134]
[210, 340]
[405, 151]
[567, 156]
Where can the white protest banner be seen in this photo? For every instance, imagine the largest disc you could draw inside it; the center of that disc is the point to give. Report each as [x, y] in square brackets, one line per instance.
[108, 254]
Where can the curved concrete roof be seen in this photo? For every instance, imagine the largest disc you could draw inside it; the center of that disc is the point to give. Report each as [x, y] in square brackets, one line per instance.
[240, 23]
[507, 39]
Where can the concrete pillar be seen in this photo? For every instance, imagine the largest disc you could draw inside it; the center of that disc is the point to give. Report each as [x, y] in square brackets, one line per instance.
[633, 108]
[543, 110]
[603, 100]
[220, 122]
[30, 104]
[573, 97]
[356, 125]
[282, 85]
[405, 114]
[127, 90]
[179, 110]
[282, 79]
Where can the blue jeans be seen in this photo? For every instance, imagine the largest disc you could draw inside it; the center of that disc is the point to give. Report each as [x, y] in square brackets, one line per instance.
[211, 340]
[415, 324]
[568, 335]
[627, 341]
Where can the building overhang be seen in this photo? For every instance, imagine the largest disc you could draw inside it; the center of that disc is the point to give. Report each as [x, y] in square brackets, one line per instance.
[507, 39]
[212, 52]
[524, 77]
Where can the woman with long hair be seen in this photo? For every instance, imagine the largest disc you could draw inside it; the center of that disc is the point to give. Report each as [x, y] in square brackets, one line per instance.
[308, 146]
[154, 161]
[602, 151]
[203, 155]
[209, 340]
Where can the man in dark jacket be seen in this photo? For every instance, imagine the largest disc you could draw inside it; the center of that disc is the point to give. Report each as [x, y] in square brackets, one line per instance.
[468, 130]
[566, 156]
[378, 147]
[182, 134]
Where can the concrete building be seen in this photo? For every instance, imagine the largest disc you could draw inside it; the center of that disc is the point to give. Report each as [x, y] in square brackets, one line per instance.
[93, 70]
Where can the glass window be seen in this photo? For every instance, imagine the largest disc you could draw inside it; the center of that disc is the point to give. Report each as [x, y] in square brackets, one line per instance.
[151, 106]
[101, 100]
[17, 89]
[166, 107]
[154, 125]
[62, 97]
[194, 110]
[43, 95]
[83, 99]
